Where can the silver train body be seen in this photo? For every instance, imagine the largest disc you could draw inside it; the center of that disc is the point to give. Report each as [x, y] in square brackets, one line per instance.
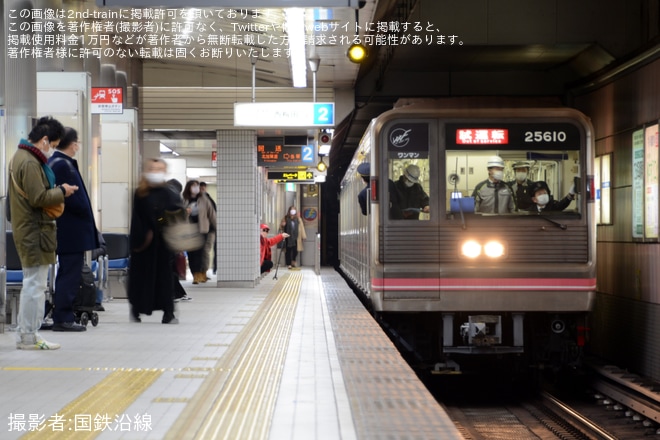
[413, 273]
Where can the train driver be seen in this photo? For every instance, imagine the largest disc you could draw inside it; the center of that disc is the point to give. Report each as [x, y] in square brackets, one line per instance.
[543, 201]
[493, 195]
[521, 186]
[412, 197]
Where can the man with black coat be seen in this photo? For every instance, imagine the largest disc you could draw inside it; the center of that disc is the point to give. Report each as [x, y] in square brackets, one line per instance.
[76, 233]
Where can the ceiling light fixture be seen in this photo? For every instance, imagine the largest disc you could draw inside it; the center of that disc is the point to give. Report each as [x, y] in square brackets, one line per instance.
[314, 63]
[295, 28]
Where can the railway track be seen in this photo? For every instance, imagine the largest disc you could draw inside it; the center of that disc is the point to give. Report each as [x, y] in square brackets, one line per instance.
[607, 403]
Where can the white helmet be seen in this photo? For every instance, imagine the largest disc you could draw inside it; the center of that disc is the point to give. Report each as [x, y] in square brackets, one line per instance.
[495, 161]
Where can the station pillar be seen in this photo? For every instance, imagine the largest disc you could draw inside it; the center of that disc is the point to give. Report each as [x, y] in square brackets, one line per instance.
[237, 227]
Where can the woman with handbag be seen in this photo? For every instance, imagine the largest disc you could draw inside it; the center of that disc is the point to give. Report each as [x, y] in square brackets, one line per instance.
[201, 212]
[150, 285]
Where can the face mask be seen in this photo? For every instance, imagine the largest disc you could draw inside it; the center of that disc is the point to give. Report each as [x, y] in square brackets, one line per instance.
[408, 183]
[155, 177]
[194, 190]
[521, 176]
[543, 199]
[48, 151]
[292, 212]
[498, 175]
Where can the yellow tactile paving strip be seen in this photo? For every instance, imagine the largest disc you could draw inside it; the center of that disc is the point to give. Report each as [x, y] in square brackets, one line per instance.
[237, 398]
[110, 396]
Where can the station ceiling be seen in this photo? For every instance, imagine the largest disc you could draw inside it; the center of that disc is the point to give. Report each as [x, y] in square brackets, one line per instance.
[424, 48]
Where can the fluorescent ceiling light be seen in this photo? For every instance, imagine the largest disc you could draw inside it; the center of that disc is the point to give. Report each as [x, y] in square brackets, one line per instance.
[295, 25]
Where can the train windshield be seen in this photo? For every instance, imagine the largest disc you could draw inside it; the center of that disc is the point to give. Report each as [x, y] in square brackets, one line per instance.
[512, 182]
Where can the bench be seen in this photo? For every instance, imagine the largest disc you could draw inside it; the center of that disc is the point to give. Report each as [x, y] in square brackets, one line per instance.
[116, 265]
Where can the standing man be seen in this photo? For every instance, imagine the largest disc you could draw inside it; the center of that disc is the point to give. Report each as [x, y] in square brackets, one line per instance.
[364, 170]
[76, 233]
[210, 238]
[31, 189]
[492, 195]
[522, 186]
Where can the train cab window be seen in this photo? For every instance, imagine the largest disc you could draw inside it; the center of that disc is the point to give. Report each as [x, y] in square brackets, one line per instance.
[409, 189]
[502, 182]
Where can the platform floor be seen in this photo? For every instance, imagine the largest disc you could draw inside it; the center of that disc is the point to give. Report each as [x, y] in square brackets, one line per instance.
[293, 358]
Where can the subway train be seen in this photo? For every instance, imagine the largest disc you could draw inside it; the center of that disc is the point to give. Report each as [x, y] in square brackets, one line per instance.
[451, 281]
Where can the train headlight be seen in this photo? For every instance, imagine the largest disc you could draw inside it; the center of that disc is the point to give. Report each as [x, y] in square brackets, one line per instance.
[471, 249]
[494, 249]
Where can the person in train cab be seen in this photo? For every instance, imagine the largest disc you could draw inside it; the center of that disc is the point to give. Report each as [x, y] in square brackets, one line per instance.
[210, 239]
[543, 200]
[150, 285]
[292, 224]
[76, 233]
[31, 189]
[493, 195]
[364, 169]
[266, 243]
[412, 199]
[202, 213]
[521, 186]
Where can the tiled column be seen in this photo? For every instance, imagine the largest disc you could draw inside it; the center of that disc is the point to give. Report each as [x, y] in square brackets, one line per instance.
[238, 231]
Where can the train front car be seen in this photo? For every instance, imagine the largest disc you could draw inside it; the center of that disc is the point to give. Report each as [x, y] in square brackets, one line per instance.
[481, 231]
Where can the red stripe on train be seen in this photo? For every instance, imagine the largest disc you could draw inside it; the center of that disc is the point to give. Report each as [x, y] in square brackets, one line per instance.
[483, 283]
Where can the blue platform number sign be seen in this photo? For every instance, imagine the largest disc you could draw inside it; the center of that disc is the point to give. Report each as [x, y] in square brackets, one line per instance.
[324, 114]
[307, 153]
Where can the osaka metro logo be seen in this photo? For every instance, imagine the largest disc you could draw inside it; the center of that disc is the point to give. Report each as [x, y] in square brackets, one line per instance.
[399, 137]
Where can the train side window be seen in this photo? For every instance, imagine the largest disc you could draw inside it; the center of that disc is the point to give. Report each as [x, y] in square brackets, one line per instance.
[409, 189]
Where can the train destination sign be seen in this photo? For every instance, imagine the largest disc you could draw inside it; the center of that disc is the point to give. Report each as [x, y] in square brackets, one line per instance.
[284, 114]
[291, 176]
[515, 136]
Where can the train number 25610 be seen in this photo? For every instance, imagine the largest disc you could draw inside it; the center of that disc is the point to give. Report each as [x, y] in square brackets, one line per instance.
[545, 136]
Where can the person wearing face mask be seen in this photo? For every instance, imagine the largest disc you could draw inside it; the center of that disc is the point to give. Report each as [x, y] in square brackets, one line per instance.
[521, 186]
[493, 195]
[150, 280]
[76, 233]
[32, 188]
[200, 211]
[265, 245]
[412, 199]
[543, 200]
[292, 224]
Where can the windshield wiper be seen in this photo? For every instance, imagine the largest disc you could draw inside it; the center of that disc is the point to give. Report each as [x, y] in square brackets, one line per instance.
[559, 225]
